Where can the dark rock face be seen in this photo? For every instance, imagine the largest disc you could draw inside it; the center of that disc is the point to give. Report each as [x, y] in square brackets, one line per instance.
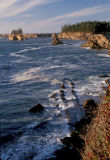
[56, 40]
[90, 108]
[36, 108]
[89, 103]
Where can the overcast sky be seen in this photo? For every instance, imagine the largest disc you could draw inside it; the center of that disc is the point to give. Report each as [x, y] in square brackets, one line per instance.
[36, 16]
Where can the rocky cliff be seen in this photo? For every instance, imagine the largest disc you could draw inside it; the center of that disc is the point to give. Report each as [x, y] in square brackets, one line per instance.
[18, 37]
[74, 35]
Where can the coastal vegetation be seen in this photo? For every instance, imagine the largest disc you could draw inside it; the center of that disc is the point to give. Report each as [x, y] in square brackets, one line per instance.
[89, 26]
[97, 138]
[17, 31]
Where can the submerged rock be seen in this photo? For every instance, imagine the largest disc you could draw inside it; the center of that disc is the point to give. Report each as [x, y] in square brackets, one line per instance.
[56, 40]
[36, 108]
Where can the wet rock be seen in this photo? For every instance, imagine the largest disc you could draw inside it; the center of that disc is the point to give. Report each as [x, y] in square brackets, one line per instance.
[67, 141]
[104, 76]
[62, 94]
[62, 86]
[72, 85]
[54, 96]
[36, 108]
[56, 40]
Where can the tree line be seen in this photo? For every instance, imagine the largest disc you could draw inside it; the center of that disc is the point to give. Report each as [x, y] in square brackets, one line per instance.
[89, 26]
[17, 31]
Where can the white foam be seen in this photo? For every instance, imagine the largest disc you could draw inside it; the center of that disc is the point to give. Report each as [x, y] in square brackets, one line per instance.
[104, 55]
[55, 81]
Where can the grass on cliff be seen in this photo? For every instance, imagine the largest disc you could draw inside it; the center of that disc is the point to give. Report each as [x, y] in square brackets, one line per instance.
[97, 139]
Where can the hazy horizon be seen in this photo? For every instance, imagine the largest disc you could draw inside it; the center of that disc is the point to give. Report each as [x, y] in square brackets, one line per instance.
[47, 16]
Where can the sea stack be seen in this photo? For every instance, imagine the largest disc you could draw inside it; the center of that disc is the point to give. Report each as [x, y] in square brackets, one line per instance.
[56, 40]
[18, 37]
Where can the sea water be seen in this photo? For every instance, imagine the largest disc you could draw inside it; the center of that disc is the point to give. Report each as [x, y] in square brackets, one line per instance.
[30, 72]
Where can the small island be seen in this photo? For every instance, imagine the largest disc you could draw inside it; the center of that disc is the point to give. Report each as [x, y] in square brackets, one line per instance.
[17, 35]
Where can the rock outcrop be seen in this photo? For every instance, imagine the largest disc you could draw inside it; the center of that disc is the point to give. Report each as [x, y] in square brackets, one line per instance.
[56, 40]
[75, 35]
[18, 37]
[33, 35]
[97, 41]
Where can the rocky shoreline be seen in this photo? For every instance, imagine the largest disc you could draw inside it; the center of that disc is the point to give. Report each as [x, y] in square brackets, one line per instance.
[76, 146]
[94, 41]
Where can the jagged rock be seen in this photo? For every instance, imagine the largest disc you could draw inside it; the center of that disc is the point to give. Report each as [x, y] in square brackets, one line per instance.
[97, 41]
[36, 108]
[56, 40]
[16, 37]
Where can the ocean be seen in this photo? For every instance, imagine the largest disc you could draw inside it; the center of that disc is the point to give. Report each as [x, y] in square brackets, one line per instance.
[31, 72]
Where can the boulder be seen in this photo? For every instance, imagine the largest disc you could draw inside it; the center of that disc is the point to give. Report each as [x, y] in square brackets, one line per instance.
[56, 40]
[36, 108]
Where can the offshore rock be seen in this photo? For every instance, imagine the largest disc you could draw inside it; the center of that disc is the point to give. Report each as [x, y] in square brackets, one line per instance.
[36, 108]
[56, 40]
[97, 41]
[18, 37]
